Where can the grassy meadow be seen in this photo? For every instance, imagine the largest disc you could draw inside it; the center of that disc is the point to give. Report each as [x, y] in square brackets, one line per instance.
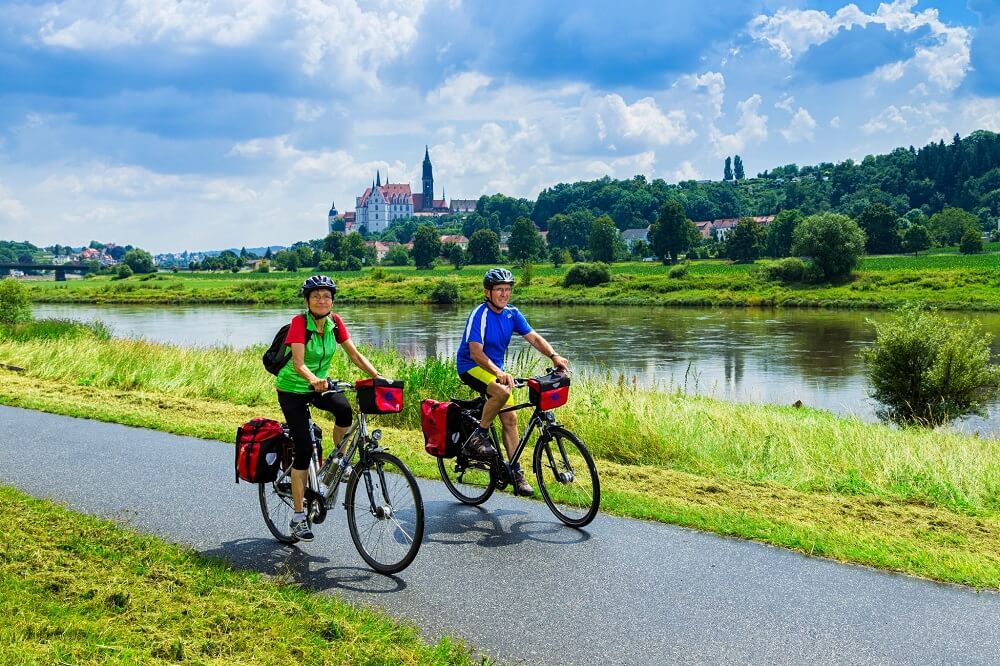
[950, 281]
[916, 501]
[77, 589]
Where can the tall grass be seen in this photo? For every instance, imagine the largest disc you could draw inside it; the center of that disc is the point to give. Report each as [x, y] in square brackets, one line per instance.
[806, 449]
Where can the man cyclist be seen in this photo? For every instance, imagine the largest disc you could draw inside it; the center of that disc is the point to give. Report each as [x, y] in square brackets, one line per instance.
[480, 365]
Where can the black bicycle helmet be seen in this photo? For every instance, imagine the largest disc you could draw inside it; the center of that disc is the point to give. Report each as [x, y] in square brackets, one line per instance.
[314, 282]
[496, 276]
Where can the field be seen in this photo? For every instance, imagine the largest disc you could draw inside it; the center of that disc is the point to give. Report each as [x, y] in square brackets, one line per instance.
[917, 501]
[950, 281]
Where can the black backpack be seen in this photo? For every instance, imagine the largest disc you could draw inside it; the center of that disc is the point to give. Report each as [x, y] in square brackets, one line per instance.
[277, 356]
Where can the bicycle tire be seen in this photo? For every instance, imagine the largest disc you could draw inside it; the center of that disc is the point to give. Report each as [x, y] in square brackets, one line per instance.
[574, 501]
[474, 490]
[399, 521]
[276, 507]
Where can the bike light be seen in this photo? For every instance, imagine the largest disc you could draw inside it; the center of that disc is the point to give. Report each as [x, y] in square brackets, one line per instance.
[376, 435]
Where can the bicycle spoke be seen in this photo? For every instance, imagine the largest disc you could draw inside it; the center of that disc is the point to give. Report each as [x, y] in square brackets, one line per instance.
[567, 478]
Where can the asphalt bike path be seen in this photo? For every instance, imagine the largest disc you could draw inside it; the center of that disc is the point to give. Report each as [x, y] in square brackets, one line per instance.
[508, 577]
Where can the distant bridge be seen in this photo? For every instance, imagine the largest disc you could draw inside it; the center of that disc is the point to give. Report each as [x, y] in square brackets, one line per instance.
[60, 269]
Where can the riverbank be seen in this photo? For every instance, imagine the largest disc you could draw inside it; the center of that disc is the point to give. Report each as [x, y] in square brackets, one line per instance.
[947, 281]
[80, 589]
[920, 502]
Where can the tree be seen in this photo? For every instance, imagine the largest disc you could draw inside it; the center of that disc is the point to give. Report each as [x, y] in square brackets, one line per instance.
[570, 230]
[745, 241]
[333, 245]
[15, 303]
[738, 168]
[727, 173]
[267, 254]
[338, 225]
[484, 247]
[397, 256]
[606, 242]
[834, 241]
[525, 243]
[456, 255]
[354, 246]
[916, 239]
[881, 226]
[139, 261]
[672, 233]
[640, 249]
[426, 246]
[971, 243]
[948, 226]
[779, 233]
[285, 260]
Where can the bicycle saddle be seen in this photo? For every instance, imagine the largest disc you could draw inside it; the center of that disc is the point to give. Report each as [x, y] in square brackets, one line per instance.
[475, 403]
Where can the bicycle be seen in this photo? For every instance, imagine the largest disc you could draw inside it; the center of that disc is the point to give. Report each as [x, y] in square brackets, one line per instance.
[573, 497]
[386, 522]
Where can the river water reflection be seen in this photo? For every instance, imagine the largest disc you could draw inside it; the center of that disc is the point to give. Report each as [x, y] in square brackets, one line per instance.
[777, 356]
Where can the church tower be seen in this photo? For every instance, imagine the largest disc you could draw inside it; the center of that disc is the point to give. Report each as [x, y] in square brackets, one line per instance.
[428, 181]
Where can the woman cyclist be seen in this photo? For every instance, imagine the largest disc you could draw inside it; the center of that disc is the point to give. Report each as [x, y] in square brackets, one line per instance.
[313, 338]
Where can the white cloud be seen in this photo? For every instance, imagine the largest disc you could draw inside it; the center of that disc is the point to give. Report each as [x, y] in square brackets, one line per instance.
[982, 114]
[459, 88]
[752, 129]
[891, 72]
[791, 32]
[104, 24]
[308, 112]
[10, 208]
[889, 118]
[786, 103]
[945, 61]
[714, 86]
[835, 122]
[644, 121]
[800, 128]
[686, 171]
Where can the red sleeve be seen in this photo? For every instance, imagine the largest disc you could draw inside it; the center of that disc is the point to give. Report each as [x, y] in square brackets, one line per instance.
[342, 334]
[297, 331]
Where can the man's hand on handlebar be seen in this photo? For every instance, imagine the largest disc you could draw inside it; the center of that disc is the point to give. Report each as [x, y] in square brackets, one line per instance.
[560, 362]
[506, 379]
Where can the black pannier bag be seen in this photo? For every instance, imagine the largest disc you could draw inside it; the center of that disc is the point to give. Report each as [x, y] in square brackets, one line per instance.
[549, 391]
[379, 395]
[278, 354]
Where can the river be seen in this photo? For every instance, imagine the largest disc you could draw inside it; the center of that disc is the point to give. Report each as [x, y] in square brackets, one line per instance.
[745, 355]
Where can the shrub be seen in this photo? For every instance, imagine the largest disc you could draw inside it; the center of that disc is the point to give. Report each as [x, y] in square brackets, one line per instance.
[444, 292]
[263, 267]
[679, 270]
[124, 272]
[378, 273]
[927, 370]
[790, 269]
[589, 275]
[15, 305]
[527, 273]
[353, 264]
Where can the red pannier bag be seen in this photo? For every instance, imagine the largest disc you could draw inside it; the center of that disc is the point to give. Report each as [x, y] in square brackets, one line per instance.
[549, 391]
[441, 423]
[379, 396]
[260, 450]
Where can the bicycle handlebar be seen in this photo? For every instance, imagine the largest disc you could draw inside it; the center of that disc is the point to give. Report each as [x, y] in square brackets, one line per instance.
[338, 386]
[521, 382]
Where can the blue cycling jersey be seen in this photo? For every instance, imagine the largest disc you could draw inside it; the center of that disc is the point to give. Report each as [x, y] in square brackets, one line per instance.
[493, 331]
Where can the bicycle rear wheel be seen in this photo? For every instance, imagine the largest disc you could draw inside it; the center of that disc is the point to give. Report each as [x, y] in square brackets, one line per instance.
[385, 513]
[276, 506]
[470, 481]
[567, 477]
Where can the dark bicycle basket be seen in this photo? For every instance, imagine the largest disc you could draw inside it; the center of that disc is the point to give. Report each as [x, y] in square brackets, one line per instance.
[549, 391]
[379, 396]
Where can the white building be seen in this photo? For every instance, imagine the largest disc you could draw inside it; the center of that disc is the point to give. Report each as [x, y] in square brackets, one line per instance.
[381, 204]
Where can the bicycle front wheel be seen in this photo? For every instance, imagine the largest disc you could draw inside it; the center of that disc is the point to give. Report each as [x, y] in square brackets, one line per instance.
[385, 513]
[567, 477]
[470, 481]
[276, 506]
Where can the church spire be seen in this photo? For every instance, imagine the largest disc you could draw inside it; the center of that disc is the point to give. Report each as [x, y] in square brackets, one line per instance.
[378, 179]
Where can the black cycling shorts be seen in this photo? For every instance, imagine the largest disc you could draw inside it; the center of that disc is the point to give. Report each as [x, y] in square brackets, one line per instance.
[295, 407]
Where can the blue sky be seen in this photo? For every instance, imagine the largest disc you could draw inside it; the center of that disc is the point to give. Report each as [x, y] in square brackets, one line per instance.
[196, 124]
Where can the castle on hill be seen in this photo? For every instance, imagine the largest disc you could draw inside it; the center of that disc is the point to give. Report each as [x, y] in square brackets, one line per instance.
[379, 205]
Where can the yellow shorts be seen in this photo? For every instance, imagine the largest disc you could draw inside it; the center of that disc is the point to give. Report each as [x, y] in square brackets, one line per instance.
[478, 379]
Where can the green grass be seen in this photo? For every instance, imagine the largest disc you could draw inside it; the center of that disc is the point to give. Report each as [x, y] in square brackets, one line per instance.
[922, 502]
[78, 589]
[950, 281]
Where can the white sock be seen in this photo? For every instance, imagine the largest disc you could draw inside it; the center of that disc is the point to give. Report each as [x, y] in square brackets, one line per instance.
[299, 516]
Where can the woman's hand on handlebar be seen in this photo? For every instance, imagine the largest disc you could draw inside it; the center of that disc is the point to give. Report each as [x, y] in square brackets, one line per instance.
[320, 385]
